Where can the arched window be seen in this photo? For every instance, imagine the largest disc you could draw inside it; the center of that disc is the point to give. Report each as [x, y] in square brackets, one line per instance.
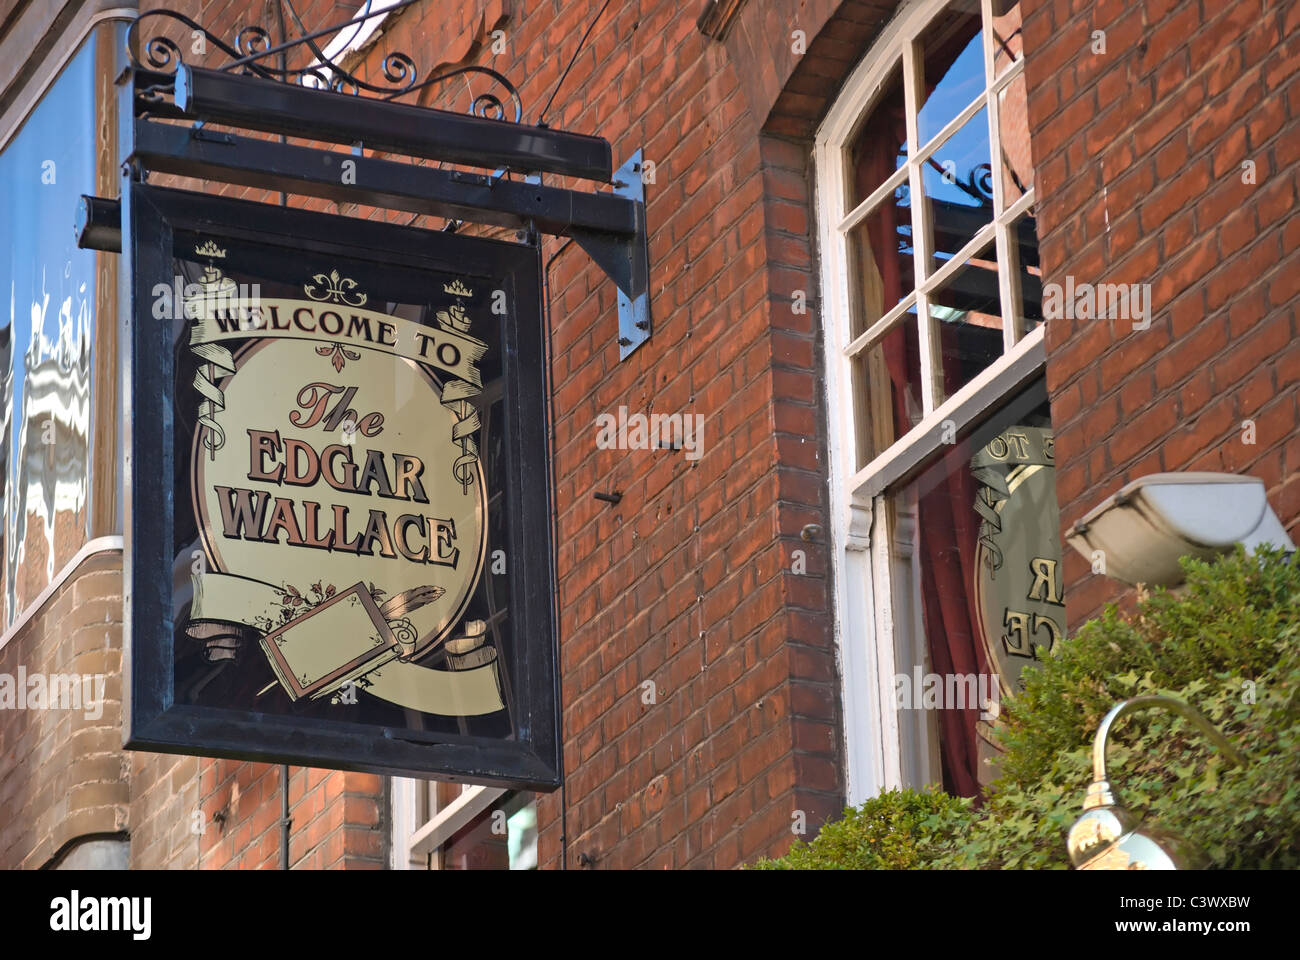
[942, 472]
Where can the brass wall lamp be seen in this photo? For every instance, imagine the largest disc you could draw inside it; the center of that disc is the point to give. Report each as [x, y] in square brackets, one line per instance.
[1108, 837]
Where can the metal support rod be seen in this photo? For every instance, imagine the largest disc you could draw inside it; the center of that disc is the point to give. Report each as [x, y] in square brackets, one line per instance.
[284, 816]
[455, 194]
[610, 227]
[257, 104]
[99, 224]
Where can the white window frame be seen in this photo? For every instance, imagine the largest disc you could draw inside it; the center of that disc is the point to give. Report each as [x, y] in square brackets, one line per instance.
[413, 840]
[884, 750]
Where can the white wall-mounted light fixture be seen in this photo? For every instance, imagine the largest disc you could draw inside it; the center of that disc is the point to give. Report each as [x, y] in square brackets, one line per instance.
[1140, 533]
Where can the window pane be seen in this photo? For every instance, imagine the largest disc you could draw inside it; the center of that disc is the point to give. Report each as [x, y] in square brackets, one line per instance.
[886, 390]
[968, 310]
[1008, 39]
[958, 188]
[503, 837]
[1017, 166]
[952, 54]
[880, 145]
[986, 577]
[881, 264]
[1026, 273]
[48, 292]
[521, 837]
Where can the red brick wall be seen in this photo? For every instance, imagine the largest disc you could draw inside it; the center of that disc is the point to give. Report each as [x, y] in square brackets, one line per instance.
[335, 818]
[686, 583]
[63, 776]
[1139, 156]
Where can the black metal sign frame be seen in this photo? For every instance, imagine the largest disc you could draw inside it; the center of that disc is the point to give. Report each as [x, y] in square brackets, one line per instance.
[154, 719]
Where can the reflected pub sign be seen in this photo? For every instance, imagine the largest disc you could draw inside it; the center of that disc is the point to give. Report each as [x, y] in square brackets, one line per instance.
[339, 540]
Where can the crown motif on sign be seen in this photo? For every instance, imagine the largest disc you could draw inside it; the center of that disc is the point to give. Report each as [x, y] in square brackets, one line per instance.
[457, 289]
[209, 249]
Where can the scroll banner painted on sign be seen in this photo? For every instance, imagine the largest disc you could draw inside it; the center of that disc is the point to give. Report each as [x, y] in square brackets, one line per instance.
[442, 349]
[349, 637]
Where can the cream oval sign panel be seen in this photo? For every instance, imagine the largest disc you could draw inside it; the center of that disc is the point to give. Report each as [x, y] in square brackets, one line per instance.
[339, 494]
[1019, 604]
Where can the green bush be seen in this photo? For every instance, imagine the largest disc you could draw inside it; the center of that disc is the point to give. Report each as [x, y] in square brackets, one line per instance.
[1225, 642]
[899, 830]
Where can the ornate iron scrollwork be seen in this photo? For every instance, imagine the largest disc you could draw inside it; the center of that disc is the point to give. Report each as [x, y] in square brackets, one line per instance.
[252, 51]
[980, 182]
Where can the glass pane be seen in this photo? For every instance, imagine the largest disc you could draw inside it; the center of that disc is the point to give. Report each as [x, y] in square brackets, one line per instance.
[49, 291]
[447, 792]
[477, 847]
[331, 449]
[952, 55]
[981, 528]
[1017, 166]
[1008, 39]
[521, 837]
[880, 146]
[886, 390]
[1026, 273]
[881, 261]
[503, 837]
[968, 309]
[958, 188]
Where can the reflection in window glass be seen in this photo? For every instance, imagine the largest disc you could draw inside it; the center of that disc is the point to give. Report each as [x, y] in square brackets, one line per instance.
[881, 268]
[934, 199]
[952, 52]
[887, 390]
[968, 310]
[1013, 136]
[981, 526]
[959, 189]
[521, 837]
[1026, 273]
[503, 837]
[48, 289]
[1008, 38]
[880, 145]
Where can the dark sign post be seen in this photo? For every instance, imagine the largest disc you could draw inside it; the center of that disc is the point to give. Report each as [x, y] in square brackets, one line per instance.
[338, 516]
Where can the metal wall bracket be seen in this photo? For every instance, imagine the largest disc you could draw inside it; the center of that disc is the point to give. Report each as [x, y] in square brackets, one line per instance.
[609, 226]
[626, 259]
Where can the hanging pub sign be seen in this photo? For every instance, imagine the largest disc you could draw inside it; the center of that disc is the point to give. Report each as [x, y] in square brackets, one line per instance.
[339, 545]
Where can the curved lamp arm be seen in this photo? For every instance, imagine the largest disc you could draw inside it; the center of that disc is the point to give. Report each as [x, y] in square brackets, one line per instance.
[1100, 793]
